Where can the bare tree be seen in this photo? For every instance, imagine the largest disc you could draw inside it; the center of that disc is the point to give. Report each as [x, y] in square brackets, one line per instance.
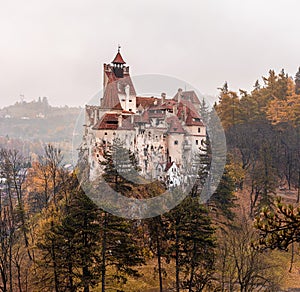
[242, 267]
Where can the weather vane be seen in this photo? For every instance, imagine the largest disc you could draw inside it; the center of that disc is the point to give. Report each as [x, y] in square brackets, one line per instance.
[119, 47]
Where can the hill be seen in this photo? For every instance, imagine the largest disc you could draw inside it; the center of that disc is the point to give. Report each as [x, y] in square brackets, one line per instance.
[37, 122]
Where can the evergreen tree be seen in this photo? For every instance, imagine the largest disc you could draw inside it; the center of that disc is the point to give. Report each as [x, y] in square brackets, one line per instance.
[120, 165]
[204, 111]
[191, 245]
[279, 227]
[228, 109]
[256, 85]
[158, 245]
[224, 199]
[297, 81]
[119, 247]
[120, 251]
[68, 238]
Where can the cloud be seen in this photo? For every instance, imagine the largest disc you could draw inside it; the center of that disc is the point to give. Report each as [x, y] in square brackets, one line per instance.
[56, 48]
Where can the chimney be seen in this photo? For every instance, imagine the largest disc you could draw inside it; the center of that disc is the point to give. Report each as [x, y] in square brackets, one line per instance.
[163, 98]
[120, 121]
[96, 116]
[184, 113]
[179, 94]
[175, 109]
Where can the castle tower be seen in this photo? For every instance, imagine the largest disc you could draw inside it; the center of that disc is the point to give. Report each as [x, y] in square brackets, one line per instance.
[118, 65]
[119, 92]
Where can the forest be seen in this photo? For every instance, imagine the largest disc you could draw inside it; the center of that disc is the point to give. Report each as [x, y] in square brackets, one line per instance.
[53, 237]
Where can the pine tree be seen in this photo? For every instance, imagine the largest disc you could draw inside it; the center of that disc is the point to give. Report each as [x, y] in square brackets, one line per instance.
[120, 165]
[204, 111]
[157, 236]
[191, 244]
[256, 85]
[120, 250]
[279, 227]
[228, 109]
[297, 81]
[224, 199]
[68, 241]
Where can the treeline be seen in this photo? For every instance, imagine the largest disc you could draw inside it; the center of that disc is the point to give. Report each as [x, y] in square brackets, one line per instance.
[263, 135]
[39, 108]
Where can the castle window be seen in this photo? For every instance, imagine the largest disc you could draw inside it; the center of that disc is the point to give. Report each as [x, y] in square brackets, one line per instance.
[130, 100]
[105, 133]
[199, 130]
[130, 109]
[176, 142]
[123, 99]
[114, 133]
[197, 142]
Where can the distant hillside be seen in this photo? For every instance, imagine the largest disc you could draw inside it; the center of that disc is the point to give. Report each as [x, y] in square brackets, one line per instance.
[36, 123]
[37, 120]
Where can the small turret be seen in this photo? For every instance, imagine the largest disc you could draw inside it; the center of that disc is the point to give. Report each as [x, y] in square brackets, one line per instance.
[118, 64]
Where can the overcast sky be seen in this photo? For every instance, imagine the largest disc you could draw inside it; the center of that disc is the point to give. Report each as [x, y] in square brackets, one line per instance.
[56, 48]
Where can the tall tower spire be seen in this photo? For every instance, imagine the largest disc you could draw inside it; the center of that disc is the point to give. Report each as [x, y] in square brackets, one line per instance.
[118, 60]
[118, 64]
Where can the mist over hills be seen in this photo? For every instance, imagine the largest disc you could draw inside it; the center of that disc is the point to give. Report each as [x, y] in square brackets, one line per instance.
[36, 123]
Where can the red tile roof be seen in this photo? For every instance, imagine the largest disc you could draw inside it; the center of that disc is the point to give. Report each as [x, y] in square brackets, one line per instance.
[110, 122]
[110, 99]
[144, 118]
[145, 102]
[107, 122]
[168, 165]
[174, 125]
[118, 59]
[115, 86]
[193, 119]
[188, 95]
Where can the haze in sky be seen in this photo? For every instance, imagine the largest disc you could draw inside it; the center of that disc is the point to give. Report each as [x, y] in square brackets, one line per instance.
[56, 48]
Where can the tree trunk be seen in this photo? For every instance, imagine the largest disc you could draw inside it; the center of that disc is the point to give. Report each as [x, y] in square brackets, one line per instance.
[192, 268]
[53, 254]
[85, 269]
[103, 272]
[298, 195]
[10, 265]
[292, 258]
[85, 272]
[159, 260]
[177, 259]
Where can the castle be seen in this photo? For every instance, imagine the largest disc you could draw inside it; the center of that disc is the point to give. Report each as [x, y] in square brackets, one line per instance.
[164, 133]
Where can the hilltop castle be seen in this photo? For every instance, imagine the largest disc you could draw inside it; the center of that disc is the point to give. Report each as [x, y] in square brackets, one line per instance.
[163, 133]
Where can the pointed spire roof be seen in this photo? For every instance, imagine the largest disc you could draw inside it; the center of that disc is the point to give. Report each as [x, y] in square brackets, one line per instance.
[118, 58]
